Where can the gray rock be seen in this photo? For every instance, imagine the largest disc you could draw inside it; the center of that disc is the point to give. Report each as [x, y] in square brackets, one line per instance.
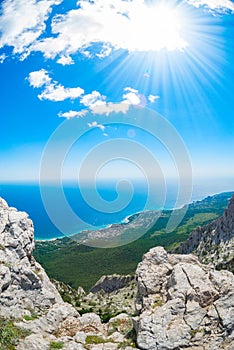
[214, 242]
[110, 283]
[182, 303]
[34, 342]
[24, 284]
[121, 323]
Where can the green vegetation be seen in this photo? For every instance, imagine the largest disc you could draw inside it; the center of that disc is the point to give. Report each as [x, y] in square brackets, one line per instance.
[193, 332]
[30, 317]
[79, 265]
[95, 339]
[10, 334]
[2, 247]
[56, 345]
[157, 303]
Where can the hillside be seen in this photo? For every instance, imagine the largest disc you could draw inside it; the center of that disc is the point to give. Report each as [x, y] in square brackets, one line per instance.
[214, 242]
[66, 261]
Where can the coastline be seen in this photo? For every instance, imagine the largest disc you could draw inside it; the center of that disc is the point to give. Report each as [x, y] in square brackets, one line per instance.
[126, 220]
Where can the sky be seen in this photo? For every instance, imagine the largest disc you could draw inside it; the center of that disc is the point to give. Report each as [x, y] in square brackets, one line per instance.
[89, 64]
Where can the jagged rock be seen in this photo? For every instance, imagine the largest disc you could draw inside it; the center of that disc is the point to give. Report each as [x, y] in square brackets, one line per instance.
[80, 292]
[182, 303]
[214, 242]
[29, 297]
[24, 285]
[111, 283]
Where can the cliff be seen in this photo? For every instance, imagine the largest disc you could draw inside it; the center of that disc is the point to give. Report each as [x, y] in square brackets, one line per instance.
[179, 302]
[214, 242]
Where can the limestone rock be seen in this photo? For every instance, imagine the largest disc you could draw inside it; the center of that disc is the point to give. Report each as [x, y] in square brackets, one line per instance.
[121, 323]
[110, 283]
[182, 303]
[24, 285]
[214, 242]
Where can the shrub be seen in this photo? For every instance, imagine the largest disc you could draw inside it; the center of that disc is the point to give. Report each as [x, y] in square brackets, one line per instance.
[10, 334]
[56, 345]
[94, 339]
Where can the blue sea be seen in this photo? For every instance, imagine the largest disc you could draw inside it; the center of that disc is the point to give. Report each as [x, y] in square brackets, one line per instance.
[27, 197]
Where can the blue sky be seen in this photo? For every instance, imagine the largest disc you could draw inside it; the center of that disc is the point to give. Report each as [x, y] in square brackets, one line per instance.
[90, 60]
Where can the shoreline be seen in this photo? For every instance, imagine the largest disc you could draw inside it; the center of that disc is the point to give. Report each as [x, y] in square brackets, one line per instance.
[127, 219]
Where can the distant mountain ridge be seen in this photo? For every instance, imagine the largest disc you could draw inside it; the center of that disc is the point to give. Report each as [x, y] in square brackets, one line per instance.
[214, 242]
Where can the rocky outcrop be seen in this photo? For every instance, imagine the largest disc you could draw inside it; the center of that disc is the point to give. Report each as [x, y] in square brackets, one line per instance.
[111, 283]
[215, 241]
[183, 304]
[30, 299]
[24, 285]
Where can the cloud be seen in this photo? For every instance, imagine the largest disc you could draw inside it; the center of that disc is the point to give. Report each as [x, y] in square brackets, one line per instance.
[105, 51]
[132, 25]
[90, 100]
[110, 107]
[129, 89]
[73, 114]
[95, 102]
[153, 98]
[39, 78]
[65, 60]
[53, 91]
[23, 21]
[114, 25]
[215, 5]
[2, 57]
[96, 125]
[132, 98]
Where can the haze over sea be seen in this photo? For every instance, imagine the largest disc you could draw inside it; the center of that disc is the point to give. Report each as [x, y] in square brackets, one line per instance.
[26, 197]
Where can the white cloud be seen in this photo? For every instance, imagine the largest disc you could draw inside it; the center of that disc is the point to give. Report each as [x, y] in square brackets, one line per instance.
[39, 78]
[219, 5]
[153, 98]
[92, 99]
[129, 89]
[96, 125]
[132, 25]
[2, 57]
[23, 21]
[110, 107]
[73, 114]
[131, 98]
[65, 60]
[53, 91]
[105, 51]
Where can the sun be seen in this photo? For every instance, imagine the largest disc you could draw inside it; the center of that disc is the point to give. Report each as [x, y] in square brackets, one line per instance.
[156, 27]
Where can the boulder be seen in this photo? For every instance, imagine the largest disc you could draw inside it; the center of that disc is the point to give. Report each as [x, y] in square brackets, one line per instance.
[182, 303]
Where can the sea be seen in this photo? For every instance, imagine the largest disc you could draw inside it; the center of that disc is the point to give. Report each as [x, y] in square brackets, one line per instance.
[27, 197]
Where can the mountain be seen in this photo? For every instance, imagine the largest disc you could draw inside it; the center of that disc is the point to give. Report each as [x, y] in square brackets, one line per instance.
[214, 242]
[179, 302]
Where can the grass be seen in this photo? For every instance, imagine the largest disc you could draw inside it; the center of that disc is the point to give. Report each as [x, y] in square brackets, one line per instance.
[56, 345]
[10, 334]
[79, 265]
[95, 339]
[30, 317]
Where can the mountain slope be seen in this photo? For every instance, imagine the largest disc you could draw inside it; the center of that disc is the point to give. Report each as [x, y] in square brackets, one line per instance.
[214, 242]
